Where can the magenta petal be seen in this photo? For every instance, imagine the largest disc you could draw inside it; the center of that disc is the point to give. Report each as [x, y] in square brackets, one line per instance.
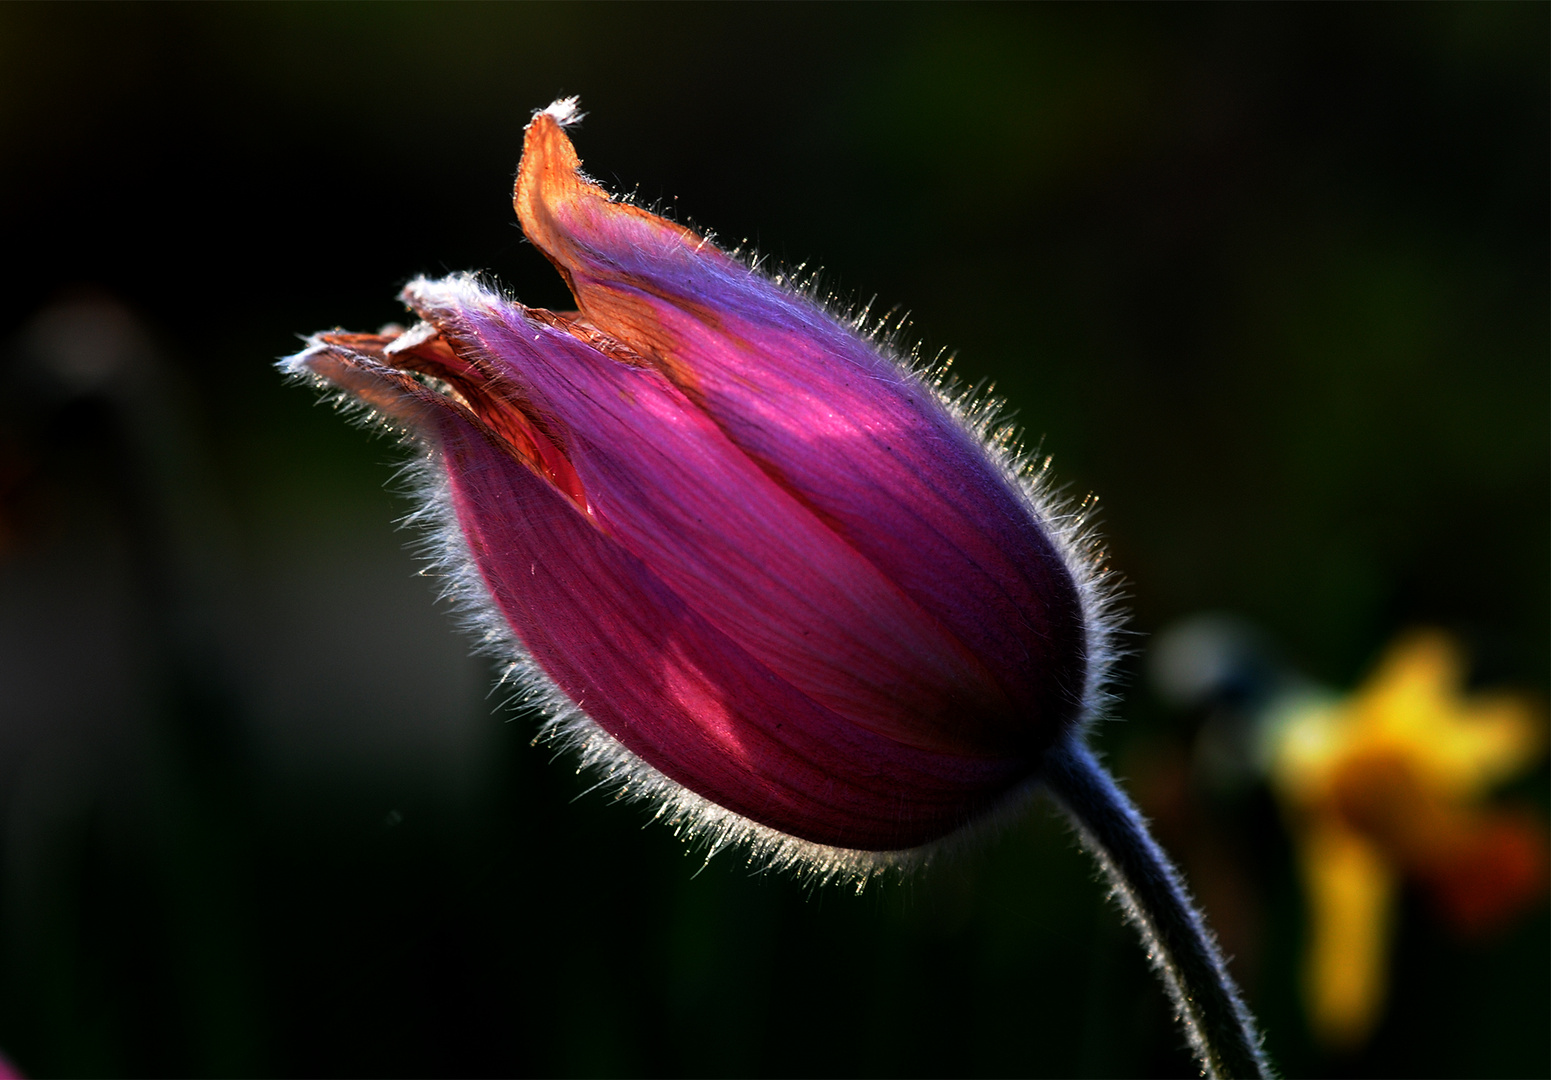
[876, 455]
[647, 669]
[727, 530]
[866, 447]
[666, 483]
[682, 696]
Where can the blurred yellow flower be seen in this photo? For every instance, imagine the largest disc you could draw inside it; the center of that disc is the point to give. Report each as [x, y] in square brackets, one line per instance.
[1387, 784]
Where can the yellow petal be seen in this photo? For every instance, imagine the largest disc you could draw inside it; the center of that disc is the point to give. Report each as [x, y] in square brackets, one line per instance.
[1351, 891]
[1415, 703]
[1308, 736]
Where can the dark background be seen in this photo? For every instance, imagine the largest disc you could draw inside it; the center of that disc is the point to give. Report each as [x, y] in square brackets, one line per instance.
[1271, 280]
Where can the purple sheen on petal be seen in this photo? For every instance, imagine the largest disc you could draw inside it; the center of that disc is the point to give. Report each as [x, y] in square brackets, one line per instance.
[866, 447]
[683, 697]
[664, 481]
[650, 672]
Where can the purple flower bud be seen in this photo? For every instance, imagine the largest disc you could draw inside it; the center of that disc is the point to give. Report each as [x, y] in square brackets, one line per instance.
[755, 566]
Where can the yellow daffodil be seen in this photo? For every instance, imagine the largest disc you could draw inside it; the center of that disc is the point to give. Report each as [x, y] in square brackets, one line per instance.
[1386, 785]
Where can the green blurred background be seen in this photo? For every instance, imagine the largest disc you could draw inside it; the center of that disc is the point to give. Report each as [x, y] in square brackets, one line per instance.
[1272, 280]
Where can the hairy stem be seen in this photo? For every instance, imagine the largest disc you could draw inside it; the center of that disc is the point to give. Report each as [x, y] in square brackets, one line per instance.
[1152, 895]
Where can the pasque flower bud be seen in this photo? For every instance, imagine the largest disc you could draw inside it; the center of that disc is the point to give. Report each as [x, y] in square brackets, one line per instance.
[759, 569]
[754, 564]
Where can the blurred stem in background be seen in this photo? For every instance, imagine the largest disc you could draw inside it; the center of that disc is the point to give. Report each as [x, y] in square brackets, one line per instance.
[162, 792]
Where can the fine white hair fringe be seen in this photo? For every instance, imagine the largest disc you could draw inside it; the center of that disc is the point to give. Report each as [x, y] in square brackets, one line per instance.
[703, 825]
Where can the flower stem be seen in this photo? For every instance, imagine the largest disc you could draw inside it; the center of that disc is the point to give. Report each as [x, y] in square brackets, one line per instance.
[1152, 895]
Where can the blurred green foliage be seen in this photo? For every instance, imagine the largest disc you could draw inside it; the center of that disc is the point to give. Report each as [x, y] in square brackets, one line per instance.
[1271, 279]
